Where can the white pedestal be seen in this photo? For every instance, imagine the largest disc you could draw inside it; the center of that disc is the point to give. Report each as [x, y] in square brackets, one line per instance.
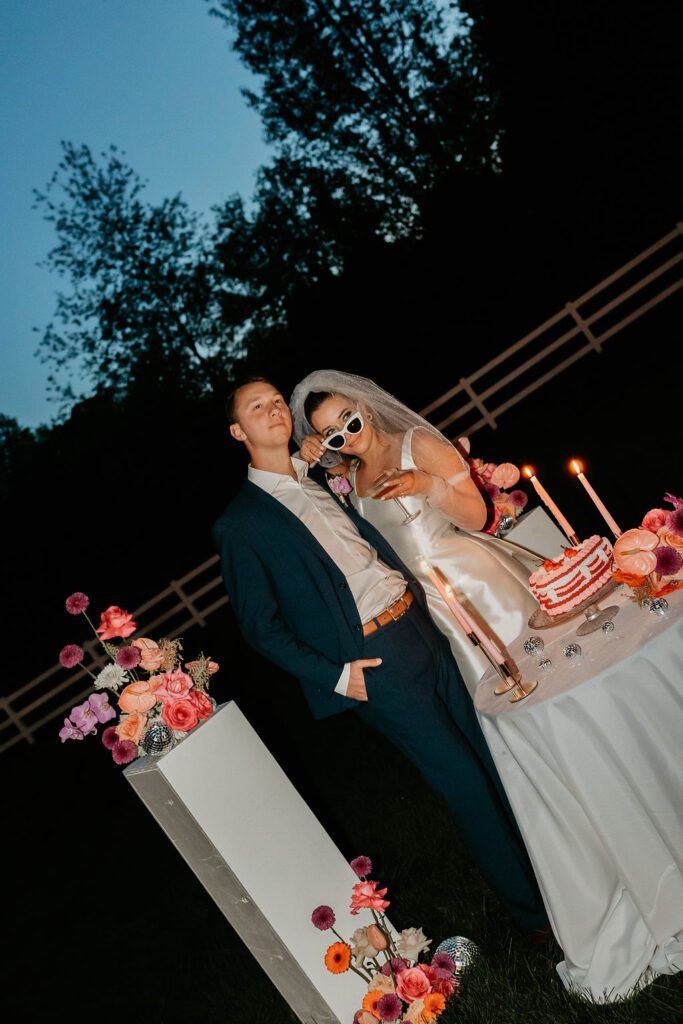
[537, 532]
[264, 858]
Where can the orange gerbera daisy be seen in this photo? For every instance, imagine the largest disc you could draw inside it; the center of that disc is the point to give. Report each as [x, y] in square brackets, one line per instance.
[338, 958]
[434, 1003]
[370, 1002]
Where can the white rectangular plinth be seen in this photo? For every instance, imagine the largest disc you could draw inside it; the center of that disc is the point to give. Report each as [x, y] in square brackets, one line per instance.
[537, 532]
[232, 813]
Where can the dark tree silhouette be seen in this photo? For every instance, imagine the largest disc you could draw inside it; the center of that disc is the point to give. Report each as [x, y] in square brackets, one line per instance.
[142, 305]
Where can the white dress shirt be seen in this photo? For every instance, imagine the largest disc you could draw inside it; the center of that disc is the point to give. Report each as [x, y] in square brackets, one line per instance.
[373, 585]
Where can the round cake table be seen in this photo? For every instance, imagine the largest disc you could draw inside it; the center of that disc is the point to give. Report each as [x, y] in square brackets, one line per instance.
[592, 762]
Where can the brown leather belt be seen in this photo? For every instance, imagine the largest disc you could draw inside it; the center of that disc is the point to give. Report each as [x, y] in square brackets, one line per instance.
[390, 615]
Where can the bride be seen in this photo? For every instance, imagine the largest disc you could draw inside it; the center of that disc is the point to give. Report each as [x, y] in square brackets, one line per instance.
[341, 417]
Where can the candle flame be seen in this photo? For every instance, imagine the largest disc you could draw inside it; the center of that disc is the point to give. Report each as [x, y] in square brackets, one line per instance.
[528, 471]
[576, 466]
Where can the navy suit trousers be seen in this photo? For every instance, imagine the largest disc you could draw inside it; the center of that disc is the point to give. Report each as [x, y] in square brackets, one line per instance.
[440, 733]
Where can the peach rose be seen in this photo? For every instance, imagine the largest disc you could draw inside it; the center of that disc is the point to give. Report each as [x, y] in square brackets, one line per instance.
[115, 622]
[633, 551]
[180, 714]
[138, 696]
[377, 938]
[201, 702]
[412, 984]
[382, 983]
[132, 727]
[669, 539]
[414, 1012]
[172, 685]
[151, 655]
[653, 519]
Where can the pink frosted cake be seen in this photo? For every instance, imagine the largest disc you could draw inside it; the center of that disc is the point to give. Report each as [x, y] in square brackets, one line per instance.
[569, 579]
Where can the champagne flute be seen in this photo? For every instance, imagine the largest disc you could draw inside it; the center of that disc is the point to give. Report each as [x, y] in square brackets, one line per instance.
[383, 484]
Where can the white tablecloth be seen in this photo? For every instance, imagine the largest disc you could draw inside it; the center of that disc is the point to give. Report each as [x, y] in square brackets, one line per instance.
[592, 762]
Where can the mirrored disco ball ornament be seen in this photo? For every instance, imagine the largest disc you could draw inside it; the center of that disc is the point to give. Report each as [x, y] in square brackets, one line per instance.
[463, 952]
[572, 651]
[157, 739]
[505, 525]
[534, 645]
[607, 627]
[647, 603]
[546, 664]
[659, 606]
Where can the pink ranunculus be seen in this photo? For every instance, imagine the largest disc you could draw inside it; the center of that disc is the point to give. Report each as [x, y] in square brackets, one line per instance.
[115, 622]
[180, 714]
[653, 519]
[202, 703]
[444, 986]
[173, 685]
[366, 894]
[412, 984]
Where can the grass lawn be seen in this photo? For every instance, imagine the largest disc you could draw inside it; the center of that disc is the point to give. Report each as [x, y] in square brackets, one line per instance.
[107, 923]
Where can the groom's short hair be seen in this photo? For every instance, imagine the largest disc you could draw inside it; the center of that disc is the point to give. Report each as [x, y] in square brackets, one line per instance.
[231, 400]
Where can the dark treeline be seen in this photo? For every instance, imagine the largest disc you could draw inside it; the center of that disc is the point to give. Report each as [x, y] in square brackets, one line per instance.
[440, 184]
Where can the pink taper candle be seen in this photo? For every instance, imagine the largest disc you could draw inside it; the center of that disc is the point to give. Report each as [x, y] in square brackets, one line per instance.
[461, 614]
[577, 468]
[530, 474]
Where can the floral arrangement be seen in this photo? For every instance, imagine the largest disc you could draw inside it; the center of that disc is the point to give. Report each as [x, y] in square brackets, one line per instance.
[339, 483]
[649, 559]
[160, 700]
[496, 480]
[399, 988]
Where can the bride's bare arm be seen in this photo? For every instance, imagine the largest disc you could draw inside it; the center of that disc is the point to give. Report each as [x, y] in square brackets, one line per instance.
[443, 477]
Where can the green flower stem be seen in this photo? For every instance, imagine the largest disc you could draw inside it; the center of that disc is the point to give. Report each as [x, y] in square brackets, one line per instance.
[361, 974]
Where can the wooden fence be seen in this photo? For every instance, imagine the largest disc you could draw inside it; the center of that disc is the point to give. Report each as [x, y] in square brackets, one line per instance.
[580, 328]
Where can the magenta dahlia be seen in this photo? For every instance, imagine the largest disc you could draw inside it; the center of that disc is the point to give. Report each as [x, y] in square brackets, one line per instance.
[668, 561]
[362, 866]
[71, 655]
[389, 1007]
[323, 918]
[674, 521]
[128, 657]
[77, 603]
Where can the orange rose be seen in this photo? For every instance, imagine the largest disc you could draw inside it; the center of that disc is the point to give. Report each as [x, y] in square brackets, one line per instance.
[138, 696]
[151, 655]
[669, 539]
[115, 622]
[180, 714]
[201, 702]
[132, 727]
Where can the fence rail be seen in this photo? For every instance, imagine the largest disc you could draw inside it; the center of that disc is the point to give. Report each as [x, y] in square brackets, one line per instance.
[645, 281]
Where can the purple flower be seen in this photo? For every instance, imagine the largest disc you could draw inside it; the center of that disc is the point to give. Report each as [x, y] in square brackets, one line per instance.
[77, 603]
[519, 499]
[71, 655]
[389, 1007]
[99, 702]
[339, 485]
[110, 737]
[673, 500]
[668, 561]
[398, 964]
[492, 490]
[674, 521]
[323, 918]
[124, 751]
[443, 964]
[69, 732]
[128, 657]
[362, 866]
[84, 718]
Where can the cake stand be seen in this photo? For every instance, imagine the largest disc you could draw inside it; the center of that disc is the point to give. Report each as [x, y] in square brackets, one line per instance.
[594, 616]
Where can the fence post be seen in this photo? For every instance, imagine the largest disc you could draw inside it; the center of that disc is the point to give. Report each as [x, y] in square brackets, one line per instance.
[15, 719]
[583, 326]
[479, 403]
[188, 604]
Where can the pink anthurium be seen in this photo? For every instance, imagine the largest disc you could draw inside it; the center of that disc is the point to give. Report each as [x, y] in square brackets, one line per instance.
[634, 552]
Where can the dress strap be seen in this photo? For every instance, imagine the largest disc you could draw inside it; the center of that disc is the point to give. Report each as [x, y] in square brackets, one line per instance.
[407, 450]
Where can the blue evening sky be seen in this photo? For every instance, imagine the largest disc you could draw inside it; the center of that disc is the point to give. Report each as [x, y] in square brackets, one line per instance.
[155, 77]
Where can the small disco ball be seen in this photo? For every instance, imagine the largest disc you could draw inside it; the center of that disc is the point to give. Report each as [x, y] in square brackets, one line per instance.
[659, 606]
[462, 951]
[572, 651]
[158, 738]
[607, 627]
[647, 603]
[533, 645]
[546, 664]
[504, 526]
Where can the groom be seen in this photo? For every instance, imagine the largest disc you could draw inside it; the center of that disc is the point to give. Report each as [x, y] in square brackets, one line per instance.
[318, 591]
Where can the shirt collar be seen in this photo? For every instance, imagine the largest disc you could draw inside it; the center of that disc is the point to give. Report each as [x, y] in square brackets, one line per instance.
[269, 482]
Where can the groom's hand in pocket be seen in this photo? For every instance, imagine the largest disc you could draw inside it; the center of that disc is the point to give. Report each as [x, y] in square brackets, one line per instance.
[356, 688]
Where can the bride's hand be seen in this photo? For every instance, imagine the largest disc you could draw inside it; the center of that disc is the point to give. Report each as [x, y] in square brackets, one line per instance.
[407, 482]
[312, 450]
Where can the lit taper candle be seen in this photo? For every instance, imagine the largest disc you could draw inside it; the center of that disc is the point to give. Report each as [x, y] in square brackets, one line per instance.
[530, 473]
[577, 467]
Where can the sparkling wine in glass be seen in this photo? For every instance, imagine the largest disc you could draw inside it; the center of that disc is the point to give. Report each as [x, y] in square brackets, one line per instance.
[383, 485]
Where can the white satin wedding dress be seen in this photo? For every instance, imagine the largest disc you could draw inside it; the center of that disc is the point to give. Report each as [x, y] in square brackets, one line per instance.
[489, 576]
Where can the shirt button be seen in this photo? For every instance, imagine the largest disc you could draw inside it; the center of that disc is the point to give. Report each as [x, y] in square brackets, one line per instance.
[342, 585]
[357, 626]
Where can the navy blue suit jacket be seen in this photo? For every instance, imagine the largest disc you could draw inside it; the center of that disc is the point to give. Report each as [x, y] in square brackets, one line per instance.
[291, 600]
